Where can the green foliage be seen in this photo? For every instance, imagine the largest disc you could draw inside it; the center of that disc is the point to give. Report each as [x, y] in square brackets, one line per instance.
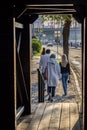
[66, 20]
[37, 54]
[36, 45]
[57, 17]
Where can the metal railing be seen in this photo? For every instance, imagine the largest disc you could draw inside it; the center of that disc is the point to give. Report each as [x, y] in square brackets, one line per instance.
[40, 86]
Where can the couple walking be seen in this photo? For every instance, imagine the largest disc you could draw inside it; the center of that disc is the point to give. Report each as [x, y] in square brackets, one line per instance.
[56, 71]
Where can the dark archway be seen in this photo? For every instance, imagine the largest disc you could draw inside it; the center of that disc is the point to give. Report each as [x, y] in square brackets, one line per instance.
[26, 12]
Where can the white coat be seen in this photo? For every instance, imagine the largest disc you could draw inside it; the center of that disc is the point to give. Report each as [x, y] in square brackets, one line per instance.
[54, 72]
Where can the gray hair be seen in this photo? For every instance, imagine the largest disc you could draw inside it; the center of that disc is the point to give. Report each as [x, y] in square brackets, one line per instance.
[52, 56]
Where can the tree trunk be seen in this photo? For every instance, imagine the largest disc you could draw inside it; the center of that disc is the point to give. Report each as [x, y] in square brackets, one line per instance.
[66, 31]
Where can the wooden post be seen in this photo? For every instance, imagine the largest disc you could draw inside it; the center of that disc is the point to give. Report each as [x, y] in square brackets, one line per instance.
[25, 56]
[40, 87]
[7, 73]
[84, 72]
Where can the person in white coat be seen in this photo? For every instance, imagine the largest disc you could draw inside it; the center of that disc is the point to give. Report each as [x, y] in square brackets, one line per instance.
[54, 74]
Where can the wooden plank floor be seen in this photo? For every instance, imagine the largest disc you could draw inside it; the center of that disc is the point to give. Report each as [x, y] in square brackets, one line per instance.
[53, 116]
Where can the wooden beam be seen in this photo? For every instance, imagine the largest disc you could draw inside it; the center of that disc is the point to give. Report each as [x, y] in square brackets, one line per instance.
[18, 25]
[20, 110]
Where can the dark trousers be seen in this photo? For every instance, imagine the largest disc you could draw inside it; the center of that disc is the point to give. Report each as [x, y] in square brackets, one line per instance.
[51, 89]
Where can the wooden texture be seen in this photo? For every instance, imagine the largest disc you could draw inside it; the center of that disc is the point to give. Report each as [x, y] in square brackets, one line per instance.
[64, 121]
[53, 116]
[74, 117]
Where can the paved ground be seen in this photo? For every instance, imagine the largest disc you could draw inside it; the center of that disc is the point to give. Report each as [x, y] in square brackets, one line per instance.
[73, 95]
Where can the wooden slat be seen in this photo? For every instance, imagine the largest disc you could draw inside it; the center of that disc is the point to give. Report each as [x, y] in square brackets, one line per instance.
[64, 122]
[22, 126]
[55, 117]
[18, 25]
[74, 117]
[44, 124]
[37, 117]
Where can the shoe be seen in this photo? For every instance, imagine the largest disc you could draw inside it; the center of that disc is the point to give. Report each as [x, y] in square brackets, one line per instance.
[49, 98]
[64, 95]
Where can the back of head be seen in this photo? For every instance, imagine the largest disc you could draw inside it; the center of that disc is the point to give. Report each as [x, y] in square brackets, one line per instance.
[52, 59]
[48, 51]
[64, 60]
[43, 51]
[52, 56]
[64, 57]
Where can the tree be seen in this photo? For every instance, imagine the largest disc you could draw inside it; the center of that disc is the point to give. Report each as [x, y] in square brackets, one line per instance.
[66, 32]
[66, 28]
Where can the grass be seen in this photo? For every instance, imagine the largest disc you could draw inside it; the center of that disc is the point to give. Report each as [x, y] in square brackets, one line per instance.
[37, 54]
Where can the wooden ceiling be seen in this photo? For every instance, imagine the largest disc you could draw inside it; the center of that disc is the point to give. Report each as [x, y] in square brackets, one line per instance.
[35, 8]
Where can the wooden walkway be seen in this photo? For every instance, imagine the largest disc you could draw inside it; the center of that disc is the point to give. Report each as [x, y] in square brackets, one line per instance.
[62, 114]
[53, 116]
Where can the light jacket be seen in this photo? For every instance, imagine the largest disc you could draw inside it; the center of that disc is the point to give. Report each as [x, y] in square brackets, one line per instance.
[43, 61]
[54, 72]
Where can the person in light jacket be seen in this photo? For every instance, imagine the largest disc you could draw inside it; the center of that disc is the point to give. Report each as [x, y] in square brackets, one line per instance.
[54, 74]
[44, 59]
[43, 63]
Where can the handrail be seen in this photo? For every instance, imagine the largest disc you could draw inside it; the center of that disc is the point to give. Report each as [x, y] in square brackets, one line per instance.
[40, 86]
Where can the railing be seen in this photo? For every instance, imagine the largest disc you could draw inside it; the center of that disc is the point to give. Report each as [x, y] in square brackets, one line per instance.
[40, 86]
[20, 110]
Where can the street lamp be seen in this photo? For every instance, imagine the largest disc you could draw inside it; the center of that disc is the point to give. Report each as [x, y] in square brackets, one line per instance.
[57, 35]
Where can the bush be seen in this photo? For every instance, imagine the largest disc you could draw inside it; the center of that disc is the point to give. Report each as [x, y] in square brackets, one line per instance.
[36, 45]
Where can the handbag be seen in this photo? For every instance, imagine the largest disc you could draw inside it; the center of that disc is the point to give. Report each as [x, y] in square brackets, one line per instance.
[45, 74]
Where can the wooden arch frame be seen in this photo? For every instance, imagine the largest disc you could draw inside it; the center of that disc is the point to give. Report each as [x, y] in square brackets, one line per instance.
[7, 52]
